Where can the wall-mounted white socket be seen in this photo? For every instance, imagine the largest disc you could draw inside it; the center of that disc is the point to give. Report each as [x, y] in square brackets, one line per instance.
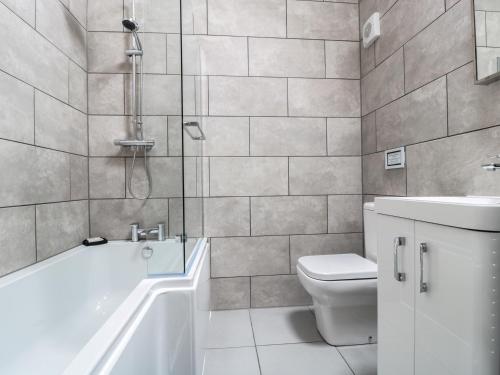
[371, 30]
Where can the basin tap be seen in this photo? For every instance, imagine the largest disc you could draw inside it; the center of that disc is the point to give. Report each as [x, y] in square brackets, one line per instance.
[491, 167]
[137, 233]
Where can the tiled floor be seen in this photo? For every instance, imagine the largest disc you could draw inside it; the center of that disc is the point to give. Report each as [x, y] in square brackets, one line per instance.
[279, 341]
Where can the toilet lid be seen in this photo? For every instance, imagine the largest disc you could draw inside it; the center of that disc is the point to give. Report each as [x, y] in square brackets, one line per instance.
[338, 267]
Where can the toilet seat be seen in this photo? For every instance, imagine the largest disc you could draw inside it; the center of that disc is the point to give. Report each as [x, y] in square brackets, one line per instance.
[337, 267]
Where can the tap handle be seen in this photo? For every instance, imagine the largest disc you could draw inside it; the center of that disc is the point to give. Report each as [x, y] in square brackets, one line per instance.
[134, 232]
[161, 232]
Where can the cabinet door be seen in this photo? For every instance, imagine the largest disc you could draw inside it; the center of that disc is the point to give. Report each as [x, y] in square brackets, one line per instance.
[456, 318]
[395, 298]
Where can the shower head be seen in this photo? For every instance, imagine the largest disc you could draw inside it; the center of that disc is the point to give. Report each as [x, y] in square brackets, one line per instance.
[130, 24]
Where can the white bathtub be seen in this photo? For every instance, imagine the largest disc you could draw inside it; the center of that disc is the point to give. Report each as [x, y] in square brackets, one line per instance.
[94, 311]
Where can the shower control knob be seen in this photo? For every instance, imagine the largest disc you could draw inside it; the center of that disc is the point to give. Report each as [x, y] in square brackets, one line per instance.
[147, 252]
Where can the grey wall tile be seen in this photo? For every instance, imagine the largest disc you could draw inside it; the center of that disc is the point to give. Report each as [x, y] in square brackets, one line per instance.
[342, 60]
[193, 214]
[155, 53]
[17, 244]
[166, 173]
[480, 28]
[417, 117]
[239, 96]
[59, 126]
[285, 136]
[403, 21]
[230, 293]
[491, 5]
[105, 15]
[77, 87]
[174, 54]
[325, 175]
[288, 215]
[379, 181]
[194, 17]
[324, 97]
[225, 136]
[32, 175]
[112, 218]
[460, 174]
[107, 177]
[56, 23]
[344, 136]
[227, 217]
[368, 134]
[323, 20]
[450, 3]
[248, 176]
[249, 256]
[323, 244]
[106, 52]
[345, 213]
[162, 95]
[279, 290]
[175, 143]
[23, 8]
[160, 16]
[367, 59]
[247, 18]
[195, 95]
[79, 177]
[106, 94]
[27, 55]
[215, 55]
[471, 106]
[286, 57]
[17, 110]
[71, 221]
[438, 49]
[78, 8]
[383, 84]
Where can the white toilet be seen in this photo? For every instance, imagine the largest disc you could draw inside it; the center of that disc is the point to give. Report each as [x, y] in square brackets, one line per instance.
[344, 290]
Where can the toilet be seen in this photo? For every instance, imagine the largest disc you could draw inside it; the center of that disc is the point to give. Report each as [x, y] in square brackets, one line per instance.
[344, 290]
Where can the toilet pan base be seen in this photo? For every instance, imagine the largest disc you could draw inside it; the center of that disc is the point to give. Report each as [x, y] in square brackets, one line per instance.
[345, 310]
[347, 325]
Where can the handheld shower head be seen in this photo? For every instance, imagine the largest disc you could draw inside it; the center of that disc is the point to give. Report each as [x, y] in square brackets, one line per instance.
[130, 24]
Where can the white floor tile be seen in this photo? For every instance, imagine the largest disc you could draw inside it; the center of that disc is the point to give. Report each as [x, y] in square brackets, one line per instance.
[230, 329]
[285, 325]
[300, 359]
[235, 361]
[362, 359]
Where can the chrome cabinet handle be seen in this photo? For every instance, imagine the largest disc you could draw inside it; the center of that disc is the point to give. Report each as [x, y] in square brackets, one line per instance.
[423, 286]
[399, 276]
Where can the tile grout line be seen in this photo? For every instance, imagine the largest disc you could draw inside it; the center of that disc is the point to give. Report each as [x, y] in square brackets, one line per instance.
[254, 341]
[345, 361]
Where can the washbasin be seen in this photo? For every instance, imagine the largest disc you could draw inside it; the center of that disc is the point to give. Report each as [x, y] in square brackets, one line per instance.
[468, 212]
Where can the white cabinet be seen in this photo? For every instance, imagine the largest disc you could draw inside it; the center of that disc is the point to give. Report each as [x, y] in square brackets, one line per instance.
[442, 317]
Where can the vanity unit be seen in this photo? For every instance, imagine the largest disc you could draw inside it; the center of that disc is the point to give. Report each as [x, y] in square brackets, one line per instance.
[438, 286]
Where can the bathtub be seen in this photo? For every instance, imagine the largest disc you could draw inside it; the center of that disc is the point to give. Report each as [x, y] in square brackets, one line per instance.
[94, 310]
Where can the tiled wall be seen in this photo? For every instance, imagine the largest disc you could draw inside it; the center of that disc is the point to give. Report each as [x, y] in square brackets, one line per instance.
[43, 130]
[111, 206]
[487, 18]
[418, 91]
[282, 119]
